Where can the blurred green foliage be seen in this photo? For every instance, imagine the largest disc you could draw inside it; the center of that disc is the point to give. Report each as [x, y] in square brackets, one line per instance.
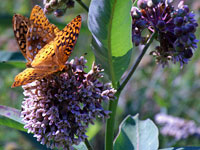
[151, 90]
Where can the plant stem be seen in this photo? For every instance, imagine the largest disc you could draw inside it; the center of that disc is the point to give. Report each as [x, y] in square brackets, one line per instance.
[83, 5]
[110, 124]
[87, 143]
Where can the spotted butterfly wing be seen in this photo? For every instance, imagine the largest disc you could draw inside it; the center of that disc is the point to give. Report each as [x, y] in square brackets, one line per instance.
[53, 56]
[61, 47]
[66, 40]
[20, 28]
[28, 75]
[40, 32]
[38, 17]
[44, 63]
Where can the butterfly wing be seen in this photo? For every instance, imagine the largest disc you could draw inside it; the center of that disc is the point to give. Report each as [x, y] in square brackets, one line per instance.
[66, 40]
[38, 17]
[20, 28]
[29, 75]
[40, 32]
[45, 57]
[56, 53]
[43, 64]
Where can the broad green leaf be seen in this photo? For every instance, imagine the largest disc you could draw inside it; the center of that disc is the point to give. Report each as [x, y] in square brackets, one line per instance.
[182, 148]
[11, 56]
[110, 25]
[9, 60]
[11, 123]
[11, 113]
[12, 64]
[11, 117]
[135, 134]
[93, 130]
[81, 146]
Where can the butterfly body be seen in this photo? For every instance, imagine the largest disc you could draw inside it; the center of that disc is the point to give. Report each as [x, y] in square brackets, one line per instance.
[45, 47]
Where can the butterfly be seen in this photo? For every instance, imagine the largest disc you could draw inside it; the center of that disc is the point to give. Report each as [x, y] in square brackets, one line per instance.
[45, 47]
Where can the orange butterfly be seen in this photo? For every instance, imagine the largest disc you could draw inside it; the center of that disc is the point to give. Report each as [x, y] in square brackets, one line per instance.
[45, 47]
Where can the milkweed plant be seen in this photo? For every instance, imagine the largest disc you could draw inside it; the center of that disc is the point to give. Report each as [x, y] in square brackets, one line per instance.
[59, 109]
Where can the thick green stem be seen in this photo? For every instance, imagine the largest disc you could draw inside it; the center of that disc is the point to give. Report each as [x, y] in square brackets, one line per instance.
[83, 5]
[110, 124]
[87, 143]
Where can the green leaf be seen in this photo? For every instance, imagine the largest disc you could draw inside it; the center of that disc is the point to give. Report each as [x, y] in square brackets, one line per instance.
[12, 64]
[81, 146]
[11, 123]
[11, 113]
[11, 117]
[9, 60]
[110, 24]
[182, 148]
[93, 130]
[11, 56]
[136, 135]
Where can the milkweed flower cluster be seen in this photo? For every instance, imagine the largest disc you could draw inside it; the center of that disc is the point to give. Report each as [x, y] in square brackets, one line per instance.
[59, 108]
[58, 6]
[175, 27]
[177, 127]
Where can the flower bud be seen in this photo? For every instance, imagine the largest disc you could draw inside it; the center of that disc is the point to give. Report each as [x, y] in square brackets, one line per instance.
[188, 53]
[186, 9]
[181, 13]
[142, 4]
[191, 27]
[155, 2]
[161, 25]
[135, 13]
[59, 12]
[178, 46]
[178, 21]
[177, 31]
[141, 24]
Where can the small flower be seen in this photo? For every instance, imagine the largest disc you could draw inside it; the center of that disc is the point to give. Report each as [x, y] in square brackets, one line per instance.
[177, 127]
[175, 27]
[59, 108]
[58, 6]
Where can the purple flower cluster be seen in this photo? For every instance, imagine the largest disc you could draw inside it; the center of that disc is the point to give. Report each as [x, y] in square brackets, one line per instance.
[59, 108]
[175, 27]
[58, 6]
[176, 127]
